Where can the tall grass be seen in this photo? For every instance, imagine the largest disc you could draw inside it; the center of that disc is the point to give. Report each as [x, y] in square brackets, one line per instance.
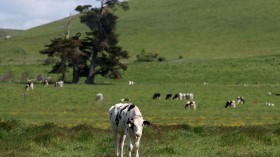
[49, 139]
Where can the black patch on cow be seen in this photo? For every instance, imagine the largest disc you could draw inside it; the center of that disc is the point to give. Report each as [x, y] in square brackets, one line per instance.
[176, 96]
[119, 115]
[131, 107]
[111, 115]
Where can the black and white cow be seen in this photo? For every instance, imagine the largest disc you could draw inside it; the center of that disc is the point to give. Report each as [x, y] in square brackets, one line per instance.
[177, 96]
[59, 84]
[127, 121]
[240, 100]
[168, 96]
[29, 85]
[124, 99]
[230, 104]
[190, 105]
[45, 82]
[181, 96]
[156, 96]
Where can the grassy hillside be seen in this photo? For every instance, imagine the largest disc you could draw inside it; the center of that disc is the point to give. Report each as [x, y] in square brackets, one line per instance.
[202, 28]
[173, 28]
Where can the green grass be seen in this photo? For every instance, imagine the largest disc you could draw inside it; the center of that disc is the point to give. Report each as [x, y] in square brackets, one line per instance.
[49, 139]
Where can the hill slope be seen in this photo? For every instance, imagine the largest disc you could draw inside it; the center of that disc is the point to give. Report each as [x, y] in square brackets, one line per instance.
[202, 28]
[192, 29]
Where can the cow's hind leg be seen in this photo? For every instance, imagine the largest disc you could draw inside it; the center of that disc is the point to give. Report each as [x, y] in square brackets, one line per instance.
[115, 135]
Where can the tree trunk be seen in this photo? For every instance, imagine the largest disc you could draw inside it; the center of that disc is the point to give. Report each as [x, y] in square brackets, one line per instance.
[76, 76]
[91, 73]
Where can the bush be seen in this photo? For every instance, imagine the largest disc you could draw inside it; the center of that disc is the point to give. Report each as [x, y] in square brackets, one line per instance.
[149, 57]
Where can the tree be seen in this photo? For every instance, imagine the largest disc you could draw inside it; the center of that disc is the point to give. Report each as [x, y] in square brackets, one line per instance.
[101, 42]
[67, 49]
[70, 55]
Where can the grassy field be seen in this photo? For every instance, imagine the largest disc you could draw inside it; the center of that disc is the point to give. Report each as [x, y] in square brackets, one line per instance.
[67, 121]
[231, 45]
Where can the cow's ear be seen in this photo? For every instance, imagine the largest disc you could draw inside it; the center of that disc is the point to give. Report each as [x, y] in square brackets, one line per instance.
[146, 123]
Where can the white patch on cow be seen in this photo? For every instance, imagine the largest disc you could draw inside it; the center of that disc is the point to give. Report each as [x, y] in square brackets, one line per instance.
[126, 121]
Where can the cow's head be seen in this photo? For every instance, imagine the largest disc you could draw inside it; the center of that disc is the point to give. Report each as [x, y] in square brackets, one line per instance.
[136, 124]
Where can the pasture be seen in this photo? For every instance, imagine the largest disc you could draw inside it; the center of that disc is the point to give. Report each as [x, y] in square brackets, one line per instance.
[52, 121]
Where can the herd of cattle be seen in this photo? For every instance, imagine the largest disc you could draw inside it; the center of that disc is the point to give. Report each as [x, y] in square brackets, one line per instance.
[127, 121]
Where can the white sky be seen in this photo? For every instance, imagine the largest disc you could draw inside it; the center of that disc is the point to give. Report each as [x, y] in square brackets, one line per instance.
[25, 14]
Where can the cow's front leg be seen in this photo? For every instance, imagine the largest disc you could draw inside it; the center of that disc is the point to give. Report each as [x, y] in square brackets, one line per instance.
[137, 143]
[121, 144]
[129, 144]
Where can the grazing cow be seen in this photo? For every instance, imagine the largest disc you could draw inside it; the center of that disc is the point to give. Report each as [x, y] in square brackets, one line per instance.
[240, 100]
[269, 104]
[99, 97]
[230, 104]
[177, 96]
[168, 96]
[190, 105]
[131, 83]
[59, 84]
[29, 85]
[188, 96]
[181, 96]
[156, 96]
[124, 99]
[275, 94]
[127, 121]
[45, 82]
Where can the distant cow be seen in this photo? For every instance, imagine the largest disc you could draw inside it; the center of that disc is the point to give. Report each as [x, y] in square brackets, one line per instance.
[168, 96]
[240, 100]
[156, 96]
[181, 96]
[124, 99]
[188, 96]
[99, 97]
[59, 84]
[230, 104]
[127, 121]
[45, 82]
[131, 83]
[177, 96]
[29, 85]
[269, 104]
[190, 105]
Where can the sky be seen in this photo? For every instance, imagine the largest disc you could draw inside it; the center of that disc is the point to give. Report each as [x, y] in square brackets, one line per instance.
[25, 14]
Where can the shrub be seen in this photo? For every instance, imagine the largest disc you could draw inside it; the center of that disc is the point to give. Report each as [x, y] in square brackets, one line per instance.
[148, 57]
